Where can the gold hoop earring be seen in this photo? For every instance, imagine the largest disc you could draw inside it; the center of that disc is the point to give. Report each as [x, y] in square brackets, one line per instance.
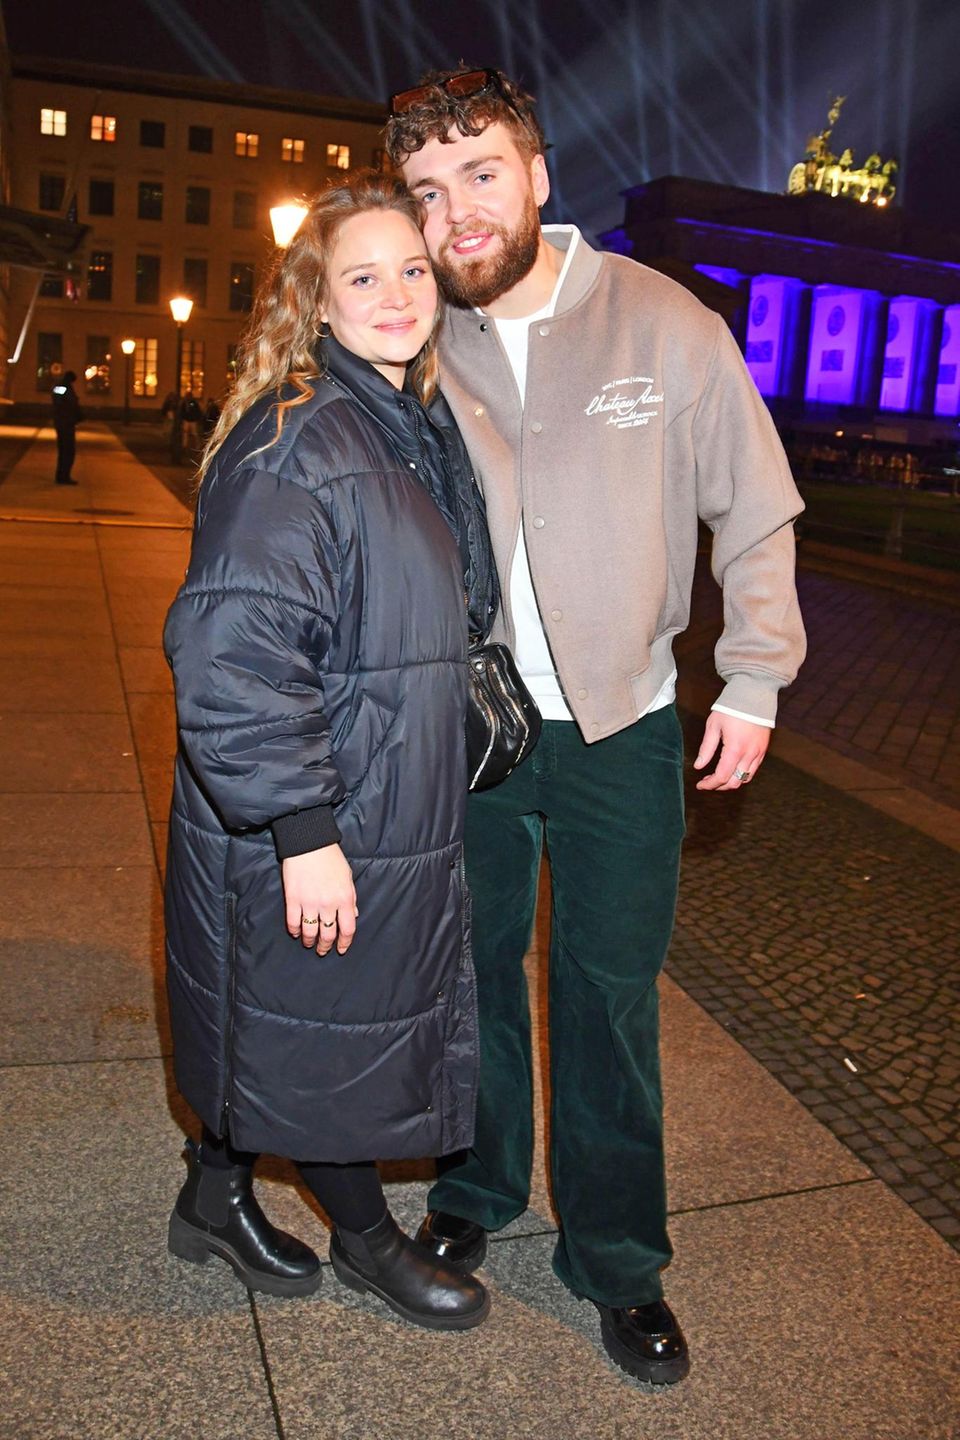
[319, 330]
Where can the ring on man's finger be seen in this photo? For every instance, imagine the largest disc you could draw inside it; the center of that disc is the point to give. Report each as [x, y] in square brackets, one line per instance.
[306, 920]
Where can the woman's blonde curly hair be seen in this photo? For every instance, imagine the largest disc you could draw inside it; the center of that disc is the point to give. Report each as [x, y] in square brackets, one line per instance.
[279, 347]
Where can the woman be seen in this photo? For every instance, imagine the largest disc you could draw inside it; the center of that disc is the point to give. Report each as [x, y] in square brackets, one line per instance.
[320, 982]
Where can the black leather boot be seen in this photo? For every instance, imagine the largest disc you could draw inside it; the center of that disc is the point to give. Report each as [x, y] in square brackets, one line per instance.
[646, 1341]
[217, 1214]
[411, 1280]
[460, 1243]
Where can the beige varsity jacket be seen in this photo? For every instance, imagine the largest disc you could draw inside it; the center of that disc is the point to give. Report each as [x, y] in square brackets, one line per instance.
[640, 416]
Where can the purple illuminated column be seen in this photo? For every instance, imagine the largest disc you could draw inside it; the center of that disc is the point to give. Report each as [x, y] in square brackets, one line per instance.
[775, 331]
[845, 335]
[947, 394]
[907, 358]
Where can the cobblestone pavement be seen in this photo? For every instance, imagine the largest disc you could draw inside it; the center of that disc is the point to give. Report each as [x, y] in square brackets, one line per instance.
[825, 937]
[881, 683]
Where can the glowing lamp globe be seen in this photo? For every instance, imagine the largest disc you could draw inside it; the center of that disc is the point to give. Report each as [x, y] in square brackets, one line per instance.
[286, 221]
[180, 307]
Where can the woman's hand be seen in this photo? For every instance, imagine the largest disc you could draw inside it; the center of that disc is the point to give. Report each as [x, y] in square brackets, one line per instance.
[321, 901]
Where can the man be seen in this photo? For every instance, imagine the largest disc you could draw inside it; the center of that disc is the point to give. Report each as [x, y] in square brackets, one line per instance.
[66, 414]
[605, 409]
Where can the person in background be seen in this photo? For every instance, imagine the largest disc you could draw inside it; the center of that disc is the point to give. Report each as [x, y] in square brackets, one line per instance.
[66, 416]
[321, 986]
[605, 409]
[211, 415]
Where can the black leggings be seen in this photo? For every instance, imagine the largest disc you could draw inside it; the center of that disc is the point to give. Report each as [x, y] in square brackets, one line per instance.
[352, 1195]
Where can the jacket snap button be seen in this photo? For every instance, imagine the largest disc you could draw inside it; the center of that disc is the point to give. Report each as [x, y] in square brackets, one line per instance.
[479, 410]
[453, 864]
[483, 327]
[429, 1109]
[556, 614]
[582, 694]
[536, 427]
[439, 994]
[544, 329]
[594, 727]
[538, 522]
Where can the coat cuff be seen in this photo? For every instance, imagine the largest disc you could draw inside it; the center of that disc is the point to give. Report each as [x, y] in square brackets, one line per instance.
[752, 694]
[305, 830]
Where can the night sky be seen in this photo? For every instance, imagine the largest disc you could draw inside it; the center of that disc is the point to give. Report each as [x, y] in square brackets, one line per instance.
[628, 89]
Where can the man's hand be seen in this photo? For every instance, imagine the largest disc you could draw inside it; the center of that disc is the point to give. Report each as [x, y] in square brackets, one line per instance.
[742, 748]
[321, 903]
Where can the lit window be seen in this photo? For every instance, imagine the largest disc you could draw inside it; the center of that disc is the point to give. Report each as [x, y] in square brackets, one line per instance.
[103, 127]
[49, 359]
[191, 367]
[53, 122]
[247, 144]
[100, 275]
[338, 157]
[145, 367]
[292, 151]
[96, 372]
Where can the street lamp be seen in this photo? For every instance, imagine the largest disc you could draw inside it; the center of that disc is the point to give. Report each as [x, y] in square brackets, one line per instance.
[286, 220]
[180, 307]
[128, 347]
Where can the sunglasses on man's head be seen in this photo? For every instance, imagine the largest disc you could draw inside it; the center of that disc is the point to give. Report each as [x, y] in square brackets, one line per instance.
[460, 87]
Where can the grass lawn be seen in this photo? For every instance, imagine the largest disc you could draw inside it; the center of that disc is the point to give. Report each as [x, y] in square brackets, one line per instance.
[863, 517]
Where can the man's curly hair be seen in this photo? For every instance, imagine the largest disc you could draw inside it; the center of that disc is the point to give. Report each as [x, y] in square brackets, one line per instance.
[435, 116]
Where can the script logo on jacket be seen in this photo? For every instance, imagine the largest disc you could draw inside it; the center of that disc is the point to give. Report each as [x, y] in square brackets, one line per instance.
[627, 402]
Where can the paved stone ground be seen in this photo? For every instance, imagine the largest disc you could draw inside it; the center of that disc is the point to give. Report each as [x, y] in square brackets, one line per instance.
[881, 683]
[825, 938]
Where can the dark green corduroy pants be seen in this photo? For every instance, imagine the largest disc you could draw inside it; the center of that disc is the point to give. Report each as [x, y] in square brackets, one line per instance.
[612, 817]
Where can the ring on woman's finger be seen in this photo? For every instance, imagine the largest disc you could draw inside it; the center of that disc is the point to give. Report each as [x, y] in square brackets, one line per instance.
[328, 923]
[305, 920]
[741, 774]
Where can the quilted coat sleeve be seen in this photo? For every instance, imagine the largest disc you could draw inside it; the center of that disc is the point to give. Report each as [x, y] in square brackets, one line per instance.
[246, 637]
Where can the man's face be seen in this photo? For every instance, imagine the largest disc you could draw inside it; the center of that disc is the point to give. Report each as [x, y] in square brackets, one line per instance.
[480, 200]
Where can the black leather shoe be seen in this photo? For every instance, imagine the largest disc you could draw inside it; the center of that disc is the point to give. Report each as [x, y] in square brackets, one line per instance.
[406, 1275]
[461, 1243]
[217, 1214]
[646, 1341]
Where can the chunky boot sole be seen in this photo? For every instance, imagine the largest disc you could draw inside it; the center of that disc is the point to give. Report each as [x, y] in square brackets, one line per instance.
[354, 1280]
[188, 1243]
[654, 1372]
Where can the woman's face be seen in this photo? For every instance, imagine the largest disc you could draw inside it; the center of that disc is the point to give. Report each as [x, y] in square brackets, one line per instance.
[383, 297]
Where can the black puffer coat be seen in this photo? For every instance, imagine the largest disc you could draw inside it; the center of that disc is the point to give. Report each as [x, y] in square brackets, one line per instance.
[318, 648]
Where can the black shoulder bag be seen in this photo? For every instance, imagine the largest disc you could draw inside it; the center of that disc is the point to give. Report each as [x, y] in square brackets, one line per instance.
[503, 722]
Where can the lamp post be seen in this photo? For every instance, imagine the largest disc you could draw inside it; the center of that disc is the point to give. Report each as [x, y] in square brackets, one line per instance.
[128, 347]
[180, 307]
[286, 220]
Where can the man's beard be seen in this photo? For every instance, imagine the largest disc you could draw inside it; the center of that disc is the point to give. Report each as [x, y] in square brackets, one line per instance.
[479, 282]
